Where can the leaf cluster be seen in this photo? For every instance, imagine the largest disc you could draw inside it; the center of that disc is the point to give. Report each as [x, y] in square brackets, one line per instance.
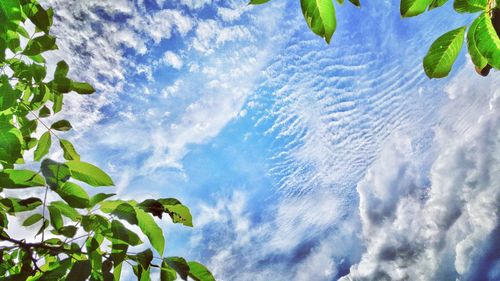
[483, 43]
[78, 236]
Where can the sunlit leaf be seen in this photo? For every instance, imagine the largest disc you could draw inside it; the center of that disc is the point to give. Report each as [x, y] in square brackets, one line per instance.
[31, 220]
[10, 143]
[74, 195]
[151, 229]
[82, 88]
[470, 6]
[69, 150]
[40, 44]
[15, 205]
[55, 217]
[43, 146]
[411, 8]
[199, 272]
[89, 174]
[320, 17]
[443, 53]
[487, 40]
[20, 178]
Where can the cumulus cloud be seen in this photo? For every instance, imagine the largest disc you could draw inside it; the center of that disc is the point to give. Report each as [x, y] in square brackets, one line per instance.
[173, 60]
[437, 228]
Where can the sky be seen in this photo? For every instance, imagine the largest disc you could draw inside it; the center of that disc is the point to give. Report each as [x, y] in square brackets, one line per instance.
[299, 160]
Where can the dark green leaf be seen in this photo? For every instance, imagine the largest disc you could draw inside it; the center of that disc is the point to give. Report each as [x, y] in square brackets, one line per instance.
[144, 258]
[436, 4]
[68, 231]
[355, 3]
[152, 206]
[167, 273]
[15, 205]
[89, 174]
[10, 143]
[80, 271]
[55, 217]
[61, 71]
[69, 150]
[443, 53]
[179, 264]
[121, 209]
[61, 125]
[55, 173]
[20, 178]
[43, 146]
[120, 232]
[74, 195]
[44, 112]
[96, 223]
[32, 219]
[45, 224]
[40, 44]
[199, 272]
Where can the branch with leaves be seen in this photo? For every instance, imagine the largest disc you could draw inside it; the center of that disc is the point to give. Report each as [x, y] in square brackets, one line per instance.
[483, 41]
[89, 237]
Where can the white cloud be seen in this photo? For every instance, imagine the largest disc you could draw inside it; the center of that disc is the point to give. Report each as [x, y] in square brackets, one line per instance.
[196, 4]
[418, 232]
[211, 35]
[173, 60]
[161, 25]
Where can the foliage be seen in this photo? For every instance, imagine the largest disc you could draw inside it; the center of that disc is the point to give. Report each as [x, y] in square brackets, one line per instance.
[90, 236]
[483, 43]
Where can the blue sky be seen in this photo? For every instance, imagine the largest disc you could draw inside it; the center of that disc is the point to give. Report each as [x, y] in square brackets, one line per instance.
[299, 160]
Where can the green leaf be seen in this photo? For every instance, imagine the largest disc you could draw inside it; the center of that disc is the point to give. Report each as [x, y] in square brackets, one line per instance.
[40, 17]
[443, 53]
[96, 223]
[55, 217]
[31, 220]
[151, 229]
[320, 17]
[475, 55]
[178, 264]
[66, 210]
[68, 231]
[470, 6]
[436, 4]
[43, 146]
[121, 209]
[55, 173]
[89, 174]
[9, 96]
[61, 125]
[179, 214]
[356, 3]
[144, 258]
[257, 2]
[82, 88]
[39, 45]
[487, 40]
[20, 179]
[99, 198]
[93, 250]
[80, 271]
[44, 112]
[120, 232]
[10, 12]
[74, 195]
[199, 272]
[167, 273]
[152, 206]
[69, 150]
[10, 143]
[411, 8]
[61, 71]
[58, 102]
[15, 205]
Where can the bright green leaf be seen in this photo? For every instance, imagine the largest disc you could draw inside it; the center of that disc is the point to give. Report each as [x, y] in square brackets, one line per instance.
[31, 220]
[151, 229]
[475, 55]
[89, 174]
[20, 178]
[436, 4]
[179, 214]
[39, 45]
[69, 150]
[74, 195]
[199, 272]
[9, 95]
[99, 197]
[320, 17]
[487, 40]
[411, 8]
[470, 6]
[10, 143]
[257, 2]
[82, 88]
[443, 53]
[15, 205]
[55, 217]
[43, 146]
[66, 210]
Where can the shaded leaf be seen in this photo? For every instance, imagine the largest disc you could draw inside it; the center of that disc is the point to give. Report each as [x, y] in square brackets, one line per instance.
[55, 217]
[16, 205]
[61, 125]
[10, 143]
[39, 45]
[178, 264]
[80, 271]
[167, 273]
[120, 232]
[55, 173]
